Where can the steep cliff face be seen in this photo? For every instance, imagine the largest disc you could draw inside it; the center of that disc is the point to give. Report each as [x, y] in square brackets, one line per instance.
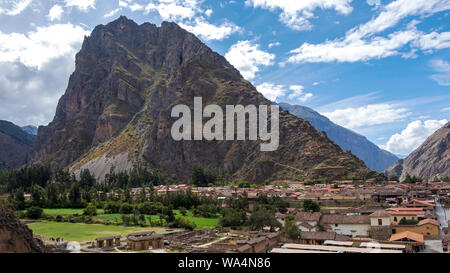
[16, 146]
[374, 157]
[117, 111]
[431, 159]
[16, 237]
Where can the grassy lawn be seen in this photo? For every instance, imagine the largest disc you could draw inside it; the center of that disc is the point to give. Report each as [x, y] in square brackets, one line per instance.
[65, 212]
[82, 232]
[202, 223]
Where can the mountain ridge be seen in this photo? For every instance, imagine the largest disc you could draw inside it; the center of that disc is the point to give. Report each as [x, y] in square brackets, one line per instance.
[16, 146]
[431, 159]
[375, 158]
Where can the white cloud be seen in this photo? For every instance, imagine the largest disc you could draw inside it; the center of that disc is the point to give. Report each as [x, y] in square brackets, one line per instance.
[13, 7]
[443, 69]
[173, 10]
[361, 44]
[55, 13]
[296, 14]
[83, 5]
[274, 44]
[209, 31]
[374, 2]
[294, 93]
[112, 13]
[413, 136]
[298, 93]
[433, 40]
[248, 58]
[352, 50]
[373, 114]
[446, 109]
[40, 46]
[271, 91]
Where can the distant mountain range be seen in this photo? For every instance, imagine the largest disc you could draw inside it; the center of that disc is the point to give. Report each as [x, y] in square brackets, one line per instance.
[16, 145]
[431, 159]
[375, 158]
[30, 129]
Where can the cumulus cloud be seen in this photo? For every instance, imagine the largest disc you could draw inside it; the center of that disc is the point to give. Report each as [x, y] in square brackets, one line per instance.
[274, 44]
[112, 13]
[413, 136]
[83, 5]
[362, 44]
[173, 10]
[209, 31]
[271, 91]
[55, 13]
[189, 15]
[13, 7]
[373, 114]
[29, 96]
[374, 2]
[295, 93]
[443, 69]
[34, 70]
[296, 14]
[38, 47]
[248, 58]
[298, 94]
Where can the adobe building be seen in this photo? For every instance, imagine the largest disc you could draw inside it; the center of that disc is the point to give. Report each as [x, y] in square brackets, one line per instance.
[144, 241]
[429, 228]
[108, 242]
[380, 225]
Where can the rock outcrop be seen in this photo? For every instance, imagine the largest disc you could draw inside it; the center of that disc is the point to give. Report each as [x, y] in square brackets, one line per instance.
[116, 111]
[16, 237]
[431, 159]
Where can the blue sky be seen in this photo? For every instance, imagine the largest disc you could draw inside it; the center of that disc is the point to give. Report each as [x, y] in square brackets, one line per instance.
[380, 68]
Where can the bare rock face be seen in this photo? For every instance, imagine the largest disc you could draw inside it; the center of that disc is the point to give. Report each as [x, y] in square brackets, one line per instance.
[15, 237]
[119, 100]
[431, 159]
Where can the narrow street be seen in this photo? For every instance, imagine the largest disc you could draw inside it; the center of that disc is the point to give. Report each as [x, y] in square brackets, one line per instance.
[435, 246]
[442, 215]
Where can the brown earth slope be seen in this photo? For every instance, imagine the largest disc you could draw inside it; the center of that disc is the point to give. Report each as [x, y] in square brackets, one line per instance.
[116, 111]
[431, 159]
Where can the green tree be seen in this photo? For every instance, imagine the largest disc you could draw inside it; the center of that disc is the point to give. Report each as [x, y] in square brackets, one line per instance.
[90, 210]
[310, 206]
[34, 212]
[291, 229]
[232, 217]
[126, 208]
[183, 211]
[260, 219]
[75, 195]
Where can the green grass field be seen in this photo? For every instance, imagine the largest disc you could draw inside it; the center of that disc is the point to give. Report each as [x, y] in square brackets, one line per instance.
[82, 232]
[202, 223]
[65, 212]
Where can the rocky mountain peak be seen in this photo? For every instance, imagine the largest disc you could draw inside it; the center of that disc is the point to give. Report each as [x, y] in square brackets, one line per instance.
[116, 111]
